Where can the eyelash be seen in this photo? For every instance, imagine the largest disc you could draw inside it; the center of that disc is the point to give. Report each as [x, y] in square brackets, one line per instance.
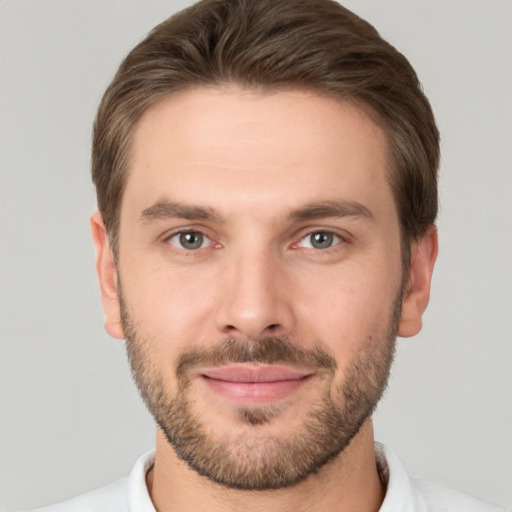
[333, 238]
[184, 232]
[336, 239]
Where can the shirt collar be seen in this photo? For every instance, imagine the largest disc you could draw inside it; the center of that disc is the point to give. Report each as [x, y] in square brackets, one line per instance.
[138, 494]
[399, 492]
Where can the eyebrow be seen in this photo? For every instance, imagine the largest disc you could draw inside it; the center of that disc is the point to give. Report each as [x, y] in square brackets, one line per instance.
[319, 210]
[165, 209]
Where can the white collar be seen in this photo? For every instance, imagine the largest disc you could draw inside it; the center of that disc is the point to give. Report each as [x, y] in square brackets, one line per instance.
[138, 494]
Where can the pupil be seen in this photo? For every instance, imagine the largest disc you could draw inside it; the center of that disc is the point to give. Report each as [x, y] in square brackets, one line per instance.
[321, 240]
[191, 240]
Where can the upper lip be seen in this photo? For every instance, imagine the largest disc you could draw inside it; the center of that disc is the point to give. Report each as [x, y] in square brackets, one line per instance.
[254, 373]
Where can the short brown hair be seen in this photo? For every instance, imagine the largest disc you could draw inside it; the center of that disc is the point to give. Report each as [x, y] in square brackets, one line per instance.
[272, 44]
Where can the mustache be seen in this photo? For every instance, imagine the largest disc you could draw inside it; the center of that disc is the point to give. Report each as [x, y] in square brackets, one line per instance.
[269, 350]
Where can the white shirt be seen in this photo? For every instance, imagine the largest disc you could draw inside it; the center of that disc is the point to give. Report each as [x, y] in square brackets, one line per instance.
[403, 494]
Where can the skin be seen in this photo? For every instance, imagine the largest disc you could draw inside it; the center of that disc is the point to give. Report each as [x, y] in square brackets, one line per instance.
[254, 159]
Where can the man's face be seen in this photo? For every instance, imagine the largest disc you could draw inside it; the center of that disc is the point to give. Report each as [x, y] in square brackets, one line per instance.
[261, 278]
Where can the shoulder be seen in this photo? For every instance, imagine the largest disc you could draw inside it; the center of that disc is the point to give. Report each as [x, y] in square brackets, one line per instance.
[404, 494]
[127, 494]
[111, 498]
[437, 497]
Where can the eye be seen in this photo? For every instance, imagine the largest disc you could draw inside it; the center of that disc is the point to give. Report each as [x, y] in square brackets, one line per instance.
[319, 240]
[189, 240]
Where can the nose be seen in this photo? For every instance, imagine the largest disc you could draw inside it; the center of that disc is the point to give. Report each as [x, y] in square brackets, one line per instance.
[255, 298]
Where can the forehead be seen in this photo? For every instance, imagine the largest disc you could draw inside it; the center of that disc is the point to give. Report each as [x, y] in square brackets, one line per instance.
[208, 145]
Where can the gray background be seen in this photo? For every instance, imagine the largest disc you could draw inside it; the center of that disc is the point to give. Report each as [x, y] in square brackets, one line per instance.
[70, 419]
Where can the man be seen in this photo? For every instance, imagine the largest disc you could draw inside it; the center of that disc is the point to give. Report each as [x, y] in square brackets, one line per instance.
[266, 176]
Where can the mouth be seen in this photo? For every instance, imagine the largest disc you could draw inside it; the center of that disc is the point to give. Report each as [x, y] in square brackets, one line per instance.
[254, 384]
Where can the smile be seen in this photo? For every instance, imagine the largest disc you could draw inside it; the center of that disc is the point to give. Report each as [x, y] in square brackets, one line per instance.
[254, 384]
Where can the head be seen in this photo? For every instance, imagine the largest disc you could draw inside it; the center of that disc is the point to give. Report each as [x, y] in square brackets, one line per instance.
[266, 179]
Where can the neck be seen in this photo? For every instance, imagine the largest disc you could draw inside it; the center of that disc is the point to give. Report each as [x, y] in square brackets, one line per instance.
[348, 482]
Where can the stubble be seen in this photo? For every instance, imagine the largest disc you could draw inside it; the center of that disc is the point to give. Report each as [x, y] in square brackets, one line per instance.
[255, 460]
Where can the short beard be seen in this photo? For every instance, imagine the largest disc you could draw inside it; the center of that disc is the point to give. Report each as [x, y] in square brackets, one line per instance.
[252, 460]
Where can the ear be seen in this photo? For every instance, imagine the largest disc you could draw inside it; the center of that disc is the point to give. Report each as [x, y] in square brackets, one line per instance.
[417, 289]
[107, 276]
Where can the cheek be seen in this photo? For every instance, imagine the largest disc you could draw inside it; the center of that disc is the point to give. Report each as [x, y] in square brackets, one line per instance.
[347, 308]
[169, 306]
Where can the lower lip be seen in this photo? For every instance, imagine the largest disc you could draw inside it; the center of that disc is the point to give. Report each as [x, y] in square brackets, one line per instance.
[255, 392]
